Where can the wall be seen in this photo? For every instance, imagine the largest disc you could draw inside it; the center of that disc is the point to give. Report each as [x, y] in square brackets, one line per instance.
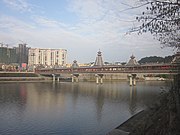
[110, 76]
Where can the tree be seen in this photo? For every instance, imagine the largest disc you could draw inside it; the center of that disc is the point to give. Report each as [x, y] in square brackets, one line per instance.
[162, 19]
[156, 59]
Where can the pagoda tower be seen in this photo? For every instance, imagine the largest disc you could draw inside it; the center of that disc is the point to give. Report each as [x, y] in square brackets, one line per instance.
[132, 61]
[99, 60]
[75, 65]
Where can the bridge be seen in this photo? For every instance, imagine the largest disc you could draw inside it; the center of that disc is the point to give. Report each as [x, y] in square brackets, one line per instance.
[99, 72]
[110, 72]
[155, 68]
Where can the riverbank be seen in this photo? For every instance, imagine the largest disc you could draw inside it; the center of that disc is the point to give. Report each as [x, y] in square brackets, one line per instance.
[14, 79]
[159, 119]
[21, 76]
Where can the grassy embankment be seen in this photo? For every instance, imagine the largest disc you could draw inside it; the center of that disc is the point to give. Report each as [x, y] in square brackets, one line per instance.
[20, 76]
[162, 118]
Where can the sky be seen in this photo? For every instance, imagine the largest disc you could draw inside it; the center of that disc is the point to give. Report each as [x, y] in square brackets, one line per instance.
[82, 27]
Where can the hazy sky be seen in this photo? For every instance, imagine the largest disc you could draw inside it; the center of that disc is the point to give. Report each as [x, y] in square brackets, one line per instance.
[80, 26]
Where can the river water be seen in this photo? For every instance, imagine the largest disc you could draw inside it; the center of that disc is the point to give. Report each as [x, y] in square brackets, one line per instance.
[46, 108]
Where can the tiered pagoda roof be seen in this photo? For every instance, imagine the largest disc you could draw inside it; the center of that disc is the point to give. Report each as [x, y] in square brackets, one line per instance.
[132, 61]
[75, 65]
[99, 61]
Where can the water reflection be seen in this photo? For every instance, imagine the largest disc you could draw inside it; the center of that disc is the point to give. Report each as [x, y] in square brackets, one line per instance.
[46, 97]
[75, 91]
[133, 97]
[71, 108]
[99, 102]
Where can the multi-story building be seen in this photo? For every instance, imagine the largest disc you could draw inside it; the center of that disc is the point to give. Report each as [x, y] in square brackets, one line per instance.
[3, 54]
[8, 55]
[47, 57]
[22, 51]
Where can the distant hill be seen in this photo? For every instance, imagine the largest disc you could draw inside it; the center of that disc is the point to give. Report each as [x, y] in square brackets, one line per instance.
[156, 59]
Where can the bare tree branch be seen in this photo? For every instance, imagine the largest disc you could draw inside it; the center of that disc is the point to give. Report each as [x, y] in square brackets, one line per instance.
[162, 19]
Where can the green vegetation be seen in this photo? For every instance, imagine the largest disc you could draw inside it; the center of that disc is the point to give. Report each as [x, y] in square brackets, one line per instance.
[162, 20]
[156, 59]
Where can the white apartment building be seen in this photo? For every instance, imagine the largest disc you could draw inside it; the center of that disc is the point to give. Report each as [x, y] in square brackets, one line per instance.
[48, 57]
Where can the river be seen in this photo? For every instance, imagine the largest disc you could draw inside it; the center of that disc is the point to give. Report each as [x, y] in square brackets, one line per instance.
[85, 108]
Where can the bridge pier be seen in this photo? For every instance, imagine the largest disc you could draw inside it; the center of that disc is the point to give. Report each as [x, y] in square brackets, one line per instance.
[58, 79]
[72, 78]
[132, 79]
[75, 78]
[54, 77]
[99, 78]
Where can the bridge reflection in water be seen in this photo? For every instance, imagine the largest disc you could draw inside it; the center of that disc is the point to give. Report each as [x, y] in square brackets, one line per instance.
[132, 101]
[71, 108]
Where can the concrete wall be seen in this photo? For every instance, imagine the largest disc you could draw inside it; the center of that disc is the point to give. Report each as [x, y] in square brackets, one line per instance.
[109, 76]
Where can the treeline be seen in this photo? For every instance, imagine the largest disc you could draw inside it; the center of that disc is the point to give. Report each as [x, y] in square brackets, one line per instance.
[156, 59]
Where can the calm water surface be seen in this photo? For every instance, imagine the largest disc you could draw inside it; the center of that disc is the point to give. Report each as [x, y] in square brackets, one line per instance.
[44, 108]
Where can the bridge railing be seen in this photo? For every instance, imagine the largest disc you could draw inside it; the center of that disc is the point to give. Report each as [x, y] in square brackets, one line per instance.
[168, 68]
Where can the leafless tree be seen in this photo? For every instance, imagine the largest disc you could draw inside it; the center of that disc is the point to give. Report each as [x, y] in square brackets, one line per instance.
[162, 19]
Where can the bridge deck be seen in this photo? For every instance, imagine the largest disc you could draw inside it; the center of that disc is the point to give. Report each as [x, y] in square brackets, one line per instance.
[165, 68]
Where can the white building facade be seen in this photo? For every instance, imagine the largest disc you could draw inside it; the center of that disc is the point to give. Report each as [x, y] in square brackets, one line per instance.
[47, 57]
